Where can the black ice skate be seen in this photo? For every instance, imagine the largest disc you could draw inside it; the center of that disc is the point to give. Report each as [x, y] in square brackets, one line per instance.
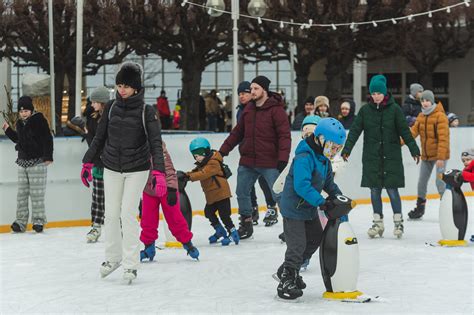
[419, 210]
[288, 288]
[255, 215]
[299, 280]
[271, 216]
[245, 227]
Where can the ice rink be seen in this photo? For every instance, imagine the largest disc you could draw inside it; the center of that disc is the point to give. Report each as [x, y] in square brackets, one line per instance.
[57, 272]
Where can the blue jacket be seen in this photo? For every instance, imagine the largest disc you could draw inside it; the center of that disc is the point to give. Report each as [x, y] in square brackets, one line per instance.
[309, 174]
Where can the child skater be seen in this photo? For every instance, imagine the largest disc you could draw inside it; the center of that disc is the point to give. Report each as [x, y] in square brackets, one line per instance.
[467, 158]
[216, 189]
[309, 174]
[99, 97]
[128, 138]
[171, 210]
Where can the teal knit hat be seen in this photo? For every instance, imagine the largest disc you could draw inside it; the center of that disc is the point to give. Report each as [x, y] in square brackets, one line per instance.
[378, 83]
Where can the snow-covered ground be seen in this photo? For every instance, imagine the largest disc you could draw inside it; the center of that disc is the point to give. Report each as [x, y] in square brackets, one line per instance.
[57, 272]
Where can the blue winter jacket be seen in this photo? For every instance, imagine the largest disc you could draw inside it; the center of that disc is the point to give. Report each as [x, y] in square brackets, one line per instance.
[309, 174]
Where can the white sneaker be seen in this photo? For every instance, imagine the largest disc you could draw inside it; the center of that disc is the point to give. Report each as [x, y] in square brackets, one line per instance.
[94, 234]
[398, 225]
[129, 275]
[108, 267]
[377, 226]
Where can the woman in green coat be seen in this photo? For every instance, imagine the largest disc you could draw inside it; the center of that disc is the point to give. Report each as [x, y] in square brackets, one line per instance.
[383, 123]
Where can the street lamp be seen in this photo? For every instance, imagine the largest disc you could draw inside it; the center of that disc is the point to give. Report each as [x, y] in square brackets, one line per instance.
[215, 4]
[256, 8]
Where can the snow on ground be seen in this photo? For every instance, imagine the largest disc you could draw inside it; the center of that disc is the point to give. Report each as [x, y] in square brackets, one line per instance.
[57, 272]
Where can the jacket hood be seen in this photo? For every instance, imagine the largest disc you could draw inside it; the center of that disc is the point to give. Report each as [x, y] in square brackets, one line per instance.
[351, 110]
[215, 155]
[439, 108]
[410, 100]
[274, 99]
[387, 101]
[133, 101]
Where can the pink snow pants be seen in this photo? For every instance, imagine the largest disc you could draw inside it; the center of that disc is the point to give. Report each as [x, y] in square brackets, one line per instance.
[151, 217]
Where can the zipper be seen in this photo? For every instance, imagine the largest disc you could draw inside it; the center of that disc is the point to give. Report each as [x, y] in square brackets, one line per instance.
[254, 130]
[426, 135]
[381, 146]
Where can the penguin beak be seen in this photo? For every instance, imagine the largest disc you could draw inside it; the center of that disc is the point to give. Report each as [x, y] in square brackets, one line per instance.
[353, 204]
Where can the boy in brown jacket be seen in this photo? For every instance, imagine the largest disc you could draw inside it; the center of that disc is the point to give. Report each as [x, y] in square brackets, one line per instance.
[433, 128]
[210, 173]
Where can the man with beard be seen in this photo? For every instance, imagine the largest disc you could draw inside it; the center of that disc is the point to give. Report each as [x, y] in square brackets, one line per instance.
[263, 132]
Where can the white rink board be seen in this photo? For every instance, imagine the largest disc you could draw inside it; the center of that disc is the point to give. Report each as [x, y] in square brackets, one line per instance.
[68, 199]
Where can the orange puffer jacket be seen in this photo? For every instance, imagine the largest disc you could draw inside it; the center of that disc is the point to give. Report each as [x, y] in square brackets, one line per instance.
[434, 134]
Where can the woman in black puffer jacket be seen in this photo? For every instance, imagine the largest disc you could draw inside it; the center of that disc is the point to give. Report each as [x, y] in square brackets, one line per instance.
[128, 138]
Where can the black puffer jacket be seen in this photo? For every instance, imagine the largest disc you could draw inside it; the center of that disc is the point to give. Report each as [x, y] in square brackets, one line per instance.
[411, 109]
[33, 138]
[123, 137]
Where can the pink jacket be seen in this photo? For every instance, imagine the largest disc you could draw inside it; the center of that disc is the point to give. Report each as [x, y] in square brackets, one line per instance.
[171, 178]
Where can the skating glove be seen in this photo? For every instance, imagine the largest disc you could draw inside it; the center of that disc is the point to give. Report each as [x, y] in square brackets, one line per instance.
[281, 165]
[86, 174]
[171, 198]
[159, 183]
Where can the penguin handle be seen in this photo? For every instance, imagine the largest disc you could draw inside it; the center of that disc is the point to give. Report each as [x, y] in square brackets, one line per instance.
[452, 178]
[340, 206]
[182, 180]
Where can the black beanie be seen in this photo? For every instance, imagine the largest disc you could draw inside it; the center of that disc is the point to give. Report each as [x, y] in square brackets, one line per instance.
[263, 81]
[309, 99]
[130, 74]
[25, 103]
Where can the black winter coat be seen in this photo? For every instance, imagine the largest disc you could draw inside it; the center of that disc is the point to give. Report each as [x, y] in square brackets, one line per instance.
[125, 145]
[33, 138]
[411, 107]
[349, 119]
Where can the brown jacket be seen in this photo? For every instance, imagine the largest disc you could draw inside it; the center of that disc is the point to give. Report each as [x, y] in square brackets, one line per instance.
[171, 178]
[434, 134]
[213, 182]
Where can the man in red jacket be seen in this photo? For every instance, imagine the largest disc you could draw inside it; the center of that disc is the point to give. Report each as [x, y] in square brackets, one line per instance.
[263, 132]
[163, 109]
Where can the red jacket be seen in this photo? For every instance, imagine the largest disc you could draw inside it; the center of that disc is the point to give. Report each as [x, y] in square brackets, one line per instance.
[163, 107]
[468, 174]
[263, 134]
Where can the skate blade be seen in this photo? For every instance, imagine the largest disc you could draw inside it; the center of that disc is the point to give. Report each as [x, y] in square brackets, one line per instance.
[275, 277]
[279, 299]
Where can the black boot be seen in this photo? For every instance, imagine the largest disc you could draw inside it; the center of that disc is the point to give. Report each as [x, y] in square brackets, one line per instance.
[419, 210]
[245, 227]
[288, 288]
[255, 215]
[38, 227]
[16, 228]
[282, 237]
[299, 280]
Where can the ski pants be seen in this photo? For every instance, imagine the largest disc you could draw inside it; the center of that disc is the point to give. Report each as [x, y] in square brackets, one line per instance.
[31, 184]
[123, 191]
[303, 238]
[173, 216]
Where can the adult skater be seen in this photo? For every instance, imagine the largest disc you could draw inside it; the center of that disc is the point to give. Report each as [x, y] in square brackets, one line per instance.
[383, 123]
[129, 134]
[34, 144]
[309, 174]
[263, 133]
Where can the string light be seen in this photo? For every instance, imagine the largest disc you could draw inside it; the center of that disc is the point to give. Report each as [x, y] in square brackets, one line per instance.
[334, 26]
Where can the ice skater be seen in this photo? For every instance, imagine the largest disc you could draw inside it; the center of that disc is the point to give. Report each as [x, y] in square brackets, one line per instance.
[34, 144]
[310, 173]
[383, 123]
[433, 128]
[99, 97]
[128, 136]
[209, 172]
[467, 158]
[171, 210]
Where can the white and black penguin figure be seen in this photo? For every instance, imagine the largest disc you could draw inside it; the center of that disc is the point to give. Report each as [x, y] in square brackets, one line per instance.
[453, 210]
[339, 253]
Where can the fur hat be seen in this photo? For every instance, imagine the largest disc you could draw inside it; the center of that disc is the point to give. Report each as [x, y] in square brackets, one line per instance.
[130, 74]
[321, 100]
[25, 103]
[100, 95]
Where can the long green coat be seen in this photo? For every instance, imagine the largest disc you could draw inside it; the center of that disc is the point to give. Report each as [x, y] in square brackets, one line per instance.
[382, 165]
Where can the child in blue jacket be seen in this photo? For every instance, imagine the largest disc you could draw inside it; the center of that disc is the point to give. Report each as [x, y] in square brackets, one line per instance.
[310, 173]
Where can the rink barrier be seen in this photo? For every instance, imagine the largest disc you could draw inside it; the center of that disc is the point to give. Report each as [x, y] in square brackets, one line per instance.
[87, 222]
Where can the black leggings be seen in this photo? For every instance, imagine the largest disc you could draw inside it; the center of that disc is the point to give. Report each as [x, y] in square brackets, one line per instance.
[223, 207]
[266, 191]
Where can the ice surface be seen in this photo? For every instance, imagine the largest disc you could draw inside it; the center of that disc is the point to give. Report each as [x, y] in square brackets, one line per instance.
[57, 272]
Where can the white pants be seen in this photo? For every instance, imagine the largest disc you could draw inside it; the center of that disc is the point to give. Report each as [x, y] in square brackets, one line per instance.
[123, 191]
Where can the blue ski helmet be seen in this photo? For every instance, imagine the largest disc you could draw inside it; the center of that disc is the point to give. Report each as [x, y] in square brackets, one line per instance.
[332, 130]
[199, 143]
[310, 120]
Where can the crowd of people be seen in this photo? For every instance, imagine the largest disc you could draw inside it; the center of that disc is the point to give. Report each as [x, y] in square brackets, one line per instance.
[128, 164]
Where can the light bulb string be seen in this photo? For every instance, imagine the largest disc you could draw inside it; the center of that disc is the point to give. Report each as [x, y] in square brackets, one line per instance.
[335, 25]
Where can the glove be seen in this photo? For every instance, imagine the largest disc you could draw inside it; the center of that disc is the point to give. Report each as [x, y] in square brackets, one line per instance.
[86, 173]
[327, 206]
[158, 183]
[281, 165]
[171, 198]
